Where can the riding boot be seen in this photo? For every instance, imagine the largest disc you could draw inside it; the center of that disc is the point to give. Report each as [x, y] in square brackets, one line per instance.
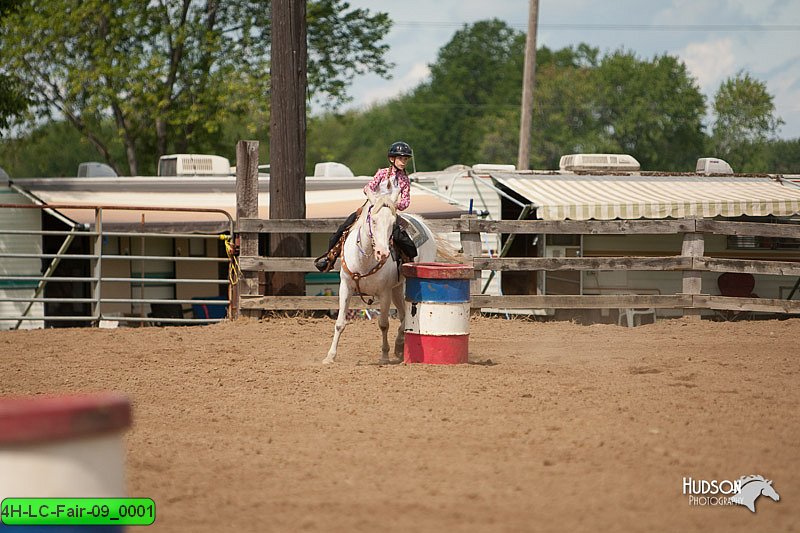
[325, 262]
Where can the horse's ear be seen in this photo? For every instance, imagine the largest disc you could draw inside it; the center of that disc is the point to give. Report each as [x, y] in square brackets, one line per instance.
[371, 196]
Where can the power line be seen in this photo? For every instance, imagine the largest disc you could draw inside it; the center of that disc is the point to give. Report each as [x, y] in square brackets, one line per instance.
[619, 27]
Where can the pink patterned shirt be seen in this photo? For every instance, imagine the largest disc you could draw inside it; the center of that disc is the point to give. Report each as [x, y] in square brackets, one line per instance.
[398, 177]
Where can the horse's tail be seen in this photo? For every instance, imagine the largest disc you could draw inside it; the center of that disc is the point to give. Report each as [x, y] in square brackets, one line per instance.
[446, 252]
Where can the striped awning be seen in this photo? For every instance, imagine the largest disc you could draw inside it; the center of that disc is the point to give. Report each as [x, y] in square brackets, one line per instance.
[585, 197]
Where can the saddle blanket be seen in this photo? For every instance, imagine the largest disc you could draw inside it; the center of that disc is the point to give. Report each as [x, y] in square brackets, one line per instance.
[415, 230]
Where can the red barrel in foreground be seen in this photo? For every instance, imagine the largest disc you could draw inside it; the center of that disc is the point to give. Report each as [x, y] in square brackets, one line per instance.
[437, 313]
[63, 447]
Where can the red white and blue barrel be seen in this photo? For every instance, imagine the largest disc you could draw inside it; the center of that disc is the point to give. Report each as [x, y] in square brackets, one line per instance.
[437, 313]
[66, 446]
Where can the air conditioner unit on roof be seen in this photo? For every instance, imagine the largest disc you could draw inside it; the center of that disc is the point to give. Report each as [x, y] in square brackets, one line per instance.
[602, 162]
[332, 169]
[488, 167]
[193, 165]
[712, 165]
[93, 169]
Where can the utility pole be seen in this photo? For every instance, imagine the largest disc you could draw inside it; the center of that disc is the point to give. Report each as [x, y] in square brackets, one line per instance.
[528, 82]
[287, 140]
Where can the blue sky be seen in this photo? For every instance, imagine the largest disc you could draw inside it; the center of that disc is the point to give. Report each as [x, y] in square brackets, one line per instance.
[761, 37]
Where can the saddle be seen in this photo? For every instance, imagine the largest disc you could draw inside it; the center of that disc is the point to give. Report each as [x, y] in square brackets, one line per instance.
[336, 249]
[407, 240]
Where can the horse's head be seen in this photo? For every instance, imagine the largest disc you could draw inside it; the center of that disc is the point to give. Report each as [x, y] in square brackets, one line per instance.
[380, 220]
[769, 491]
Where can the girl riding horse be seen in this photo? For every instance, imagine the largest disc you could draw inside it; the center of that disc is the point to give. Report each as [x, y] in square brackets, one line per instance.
[394, 176]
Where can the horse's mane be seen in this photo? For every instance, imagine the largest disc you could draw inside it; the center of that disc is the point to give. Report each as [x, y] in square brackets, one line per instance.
[744, 480]
[384, 200]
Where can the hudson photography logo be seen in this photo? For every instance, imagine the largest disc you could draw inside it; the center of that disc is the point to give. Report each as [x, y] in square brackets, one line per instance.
[743, 491]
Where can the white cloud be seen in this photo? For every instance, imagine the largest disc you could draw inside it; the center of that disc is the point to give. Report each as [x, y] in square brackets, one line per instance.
[710, 62]
[754, 10]
[417, 73]
[385, 90]
[785, 87]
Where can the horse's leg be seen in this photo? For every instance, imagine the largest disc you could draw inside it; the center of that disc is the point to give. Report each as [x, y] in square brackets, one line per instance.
[400, 304]
[383, 322]
[341, 322]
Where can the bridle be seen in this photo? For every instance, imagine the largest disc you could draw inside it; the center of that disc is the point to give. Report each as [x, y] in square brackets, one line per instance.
[355, 276]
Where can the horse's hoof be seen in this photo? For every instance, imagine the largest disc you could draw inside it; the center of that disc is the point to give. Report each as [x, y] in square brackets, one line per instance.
[327, 361]
[383, 361]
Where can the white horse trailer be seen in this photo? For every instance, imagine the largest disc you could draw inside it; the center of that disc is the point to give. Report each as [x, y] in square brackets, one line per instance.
[12, 241]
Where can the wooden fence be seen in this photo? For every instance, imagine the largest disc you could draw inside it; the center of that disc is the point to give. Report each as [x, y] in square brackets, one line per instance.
[691, 262]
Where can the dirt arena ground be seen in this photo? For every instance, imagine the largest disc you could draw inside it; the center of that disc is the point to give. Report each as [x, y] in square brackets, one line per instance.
[554, 427]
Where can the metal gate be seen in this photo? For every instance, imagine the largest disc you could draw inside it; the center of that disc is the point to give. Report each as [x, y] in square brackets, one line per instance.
[147, 298]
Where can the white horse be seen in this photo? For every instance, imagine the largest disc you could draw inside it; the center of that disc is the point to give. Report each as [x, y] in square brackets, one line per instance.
[367, 269]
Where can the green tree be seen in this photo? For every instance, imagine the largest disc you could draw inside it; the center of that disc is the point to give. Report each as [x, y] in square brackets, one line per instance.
[566, 119]
[169, 74]
[12, 100]
[54, 149]
[341, 45]
[783, 156]
[469, 110]
[652, 110]
[744, 122]
[477, 74]
[360, 139]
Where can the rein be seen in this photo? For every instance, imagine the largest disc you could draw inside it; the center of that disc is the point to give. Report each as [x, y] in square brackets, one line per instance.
[355, 275]
[369, 226]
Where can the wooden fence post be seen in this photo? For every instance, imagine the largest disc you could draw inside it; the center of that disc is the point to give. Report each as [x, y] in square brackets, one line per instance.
[694, 247]
[471, 244]
[247, 207]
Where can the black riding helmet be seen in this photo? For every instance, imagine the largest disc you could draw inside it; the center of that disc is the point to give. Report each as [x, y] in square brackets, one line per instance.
[400, 148]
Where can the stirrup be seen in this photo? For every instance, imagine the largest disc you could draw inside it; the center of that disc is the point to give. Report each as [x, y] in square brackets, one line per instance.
[406, 259]
[325, 262]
